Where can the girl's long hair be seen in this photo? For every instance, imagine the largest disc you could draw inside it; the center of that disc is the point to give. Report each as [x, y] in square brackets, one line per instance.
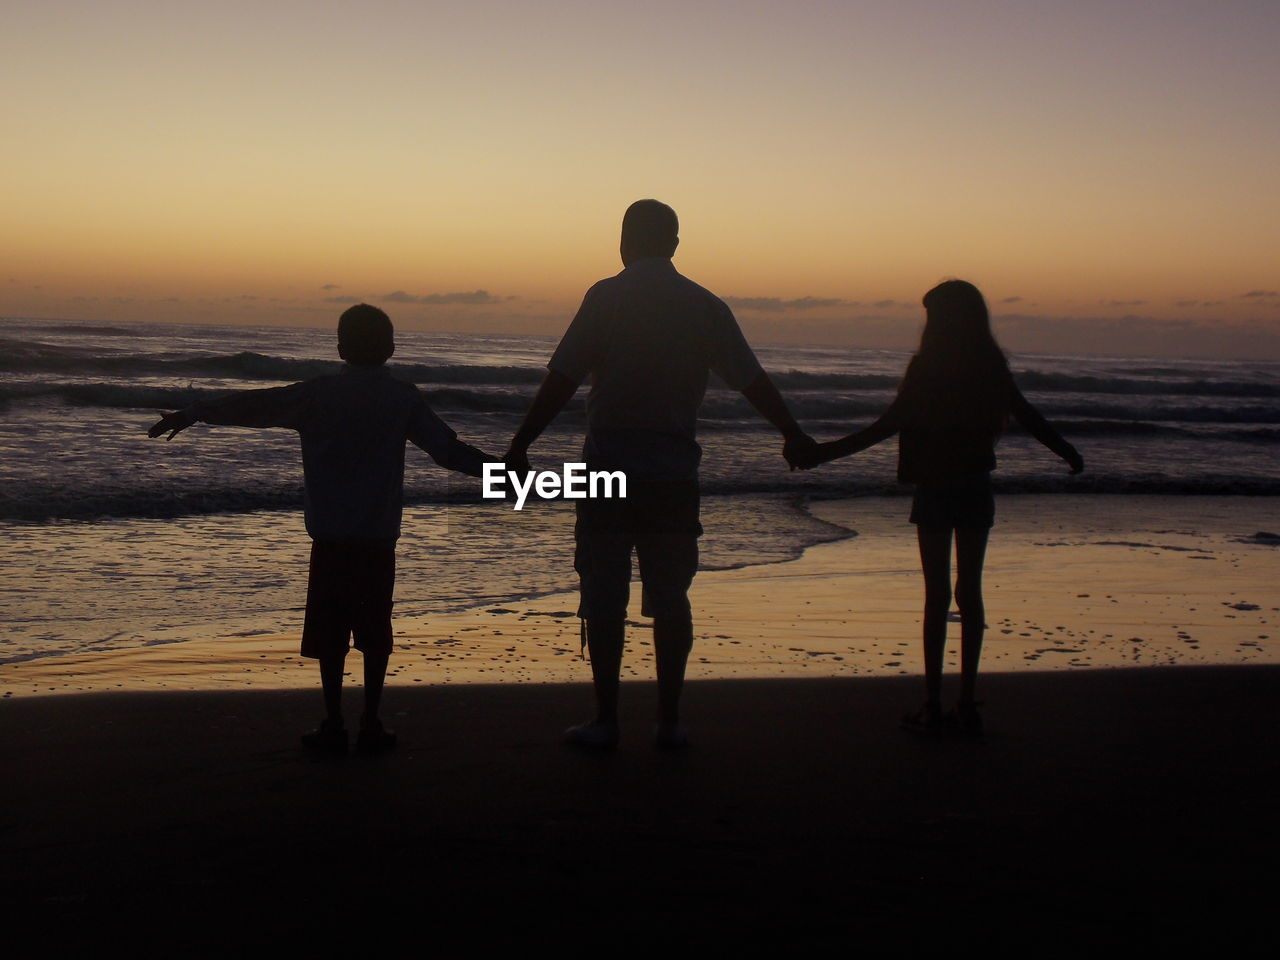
[959, 376]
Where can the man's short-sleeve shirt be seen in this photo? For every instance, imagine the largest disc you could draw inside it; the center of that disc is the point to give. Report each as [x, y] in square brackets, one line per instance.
[647, 338]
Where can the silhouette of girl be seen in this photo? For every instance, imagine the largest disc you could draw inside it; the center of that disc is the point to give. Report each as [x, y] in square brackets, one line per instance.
[952, 405]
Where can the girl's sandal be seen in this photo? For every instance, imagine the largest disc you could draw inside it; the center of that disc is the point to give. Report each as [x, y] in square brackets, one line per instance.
[927, 720]
[967, 720]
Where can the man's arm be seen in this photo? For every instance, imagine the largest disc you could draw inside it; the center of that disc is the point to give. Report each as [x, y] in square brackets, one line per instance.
[797, 445]
[269, 407]
[575, 356]
[733, 361]
[556, 390]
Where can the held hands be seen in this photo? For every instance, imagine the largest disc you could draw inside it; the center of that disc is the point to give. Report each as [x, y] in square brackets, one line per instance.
[800, 451]
[517, 460]
[813, 454]
[174, 422]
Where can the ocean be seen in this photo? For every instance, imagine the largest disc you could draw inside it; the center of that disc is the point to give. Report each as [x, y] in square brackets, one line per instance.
[111, 539]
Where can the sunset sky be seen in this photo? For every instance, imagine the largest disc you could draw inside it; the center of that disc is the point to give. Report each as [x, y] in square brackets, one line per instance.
[1104, 171]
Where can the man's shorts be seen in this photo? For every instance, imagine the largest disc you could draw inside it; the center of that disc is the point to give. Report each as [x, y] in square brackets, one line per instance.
[660, 522]
[349, 592]
[964, 503]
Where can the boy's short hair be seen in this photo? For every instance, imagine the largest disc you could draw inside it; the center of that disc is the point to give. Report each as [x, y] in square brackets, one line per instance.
[365, 336]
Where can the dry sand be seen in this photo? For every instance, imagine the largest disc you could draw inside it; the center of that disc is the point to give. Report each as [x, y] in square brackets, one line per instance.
[1108, 810]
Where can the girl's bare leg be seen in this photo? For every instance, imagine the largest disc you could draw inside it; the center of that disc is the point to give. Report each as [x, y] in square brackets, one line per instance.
[971, 552]
[935, 562]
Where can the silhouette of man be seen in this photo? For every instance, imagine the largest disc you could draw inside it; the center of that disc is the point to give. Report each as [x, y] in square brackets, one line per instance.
[353, 426]
[647, 338]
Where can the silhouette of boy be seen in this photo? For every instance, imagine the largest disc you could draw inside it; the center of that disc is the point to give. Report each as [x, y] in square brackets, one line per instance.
[353, 427]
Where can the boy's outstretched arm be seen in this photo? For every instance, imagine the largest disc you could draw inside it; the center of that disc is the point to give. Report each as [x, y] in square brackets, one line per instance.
[431, 434]
[269, 407]
[797, 446]
[556, 390]
[1044, 431]
[174, 422]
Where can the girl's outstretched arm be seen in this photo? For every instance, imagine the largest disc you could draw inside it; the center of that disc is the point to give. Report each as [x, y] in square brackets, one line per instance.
[890, 422]
[1040, 428]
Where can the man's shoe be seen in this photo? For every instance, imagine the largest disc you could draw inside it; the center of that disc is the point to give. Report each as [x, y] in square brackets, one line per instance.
[670, 737]
[597, 736]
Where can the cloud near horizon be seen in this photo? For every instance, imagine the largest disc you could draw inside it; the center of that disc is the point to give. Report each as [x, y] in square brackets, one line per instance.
[464, 297]
[1132, 335]
[469, 297]
[1137, 335]
[777, 304]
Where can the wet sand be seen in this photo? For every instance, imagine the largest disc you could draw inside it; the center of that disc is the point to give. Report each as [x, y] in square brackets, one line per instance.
[1072, 582]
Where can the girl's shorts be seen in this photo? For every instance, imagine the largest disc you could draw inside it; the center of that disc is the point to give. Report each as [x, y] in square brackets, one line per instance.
[965, 502]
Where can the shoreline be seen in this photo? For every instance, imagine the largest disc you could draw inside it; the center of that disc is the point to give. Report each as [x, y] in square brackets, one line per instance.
[1073, 582]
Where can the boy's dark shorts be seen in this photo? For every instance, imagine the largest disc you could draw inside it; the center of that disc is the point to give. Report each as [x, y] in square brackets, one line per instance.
[349, 592]
[966, 503]
[660, 521]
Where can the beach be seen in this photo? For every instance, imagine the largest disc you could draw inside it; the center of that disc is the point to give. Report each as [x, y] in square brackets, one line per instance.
[1122, 793]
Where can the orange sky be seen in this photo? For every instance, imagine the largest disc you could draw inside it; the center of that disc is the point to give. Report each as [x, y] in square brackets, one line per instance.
[1103, 170]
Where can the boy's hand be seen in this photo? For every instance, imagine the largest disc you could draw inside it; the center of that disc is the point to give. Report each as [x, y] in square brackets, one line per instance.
[174, 422]
[517, 460]
[1075, 462]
